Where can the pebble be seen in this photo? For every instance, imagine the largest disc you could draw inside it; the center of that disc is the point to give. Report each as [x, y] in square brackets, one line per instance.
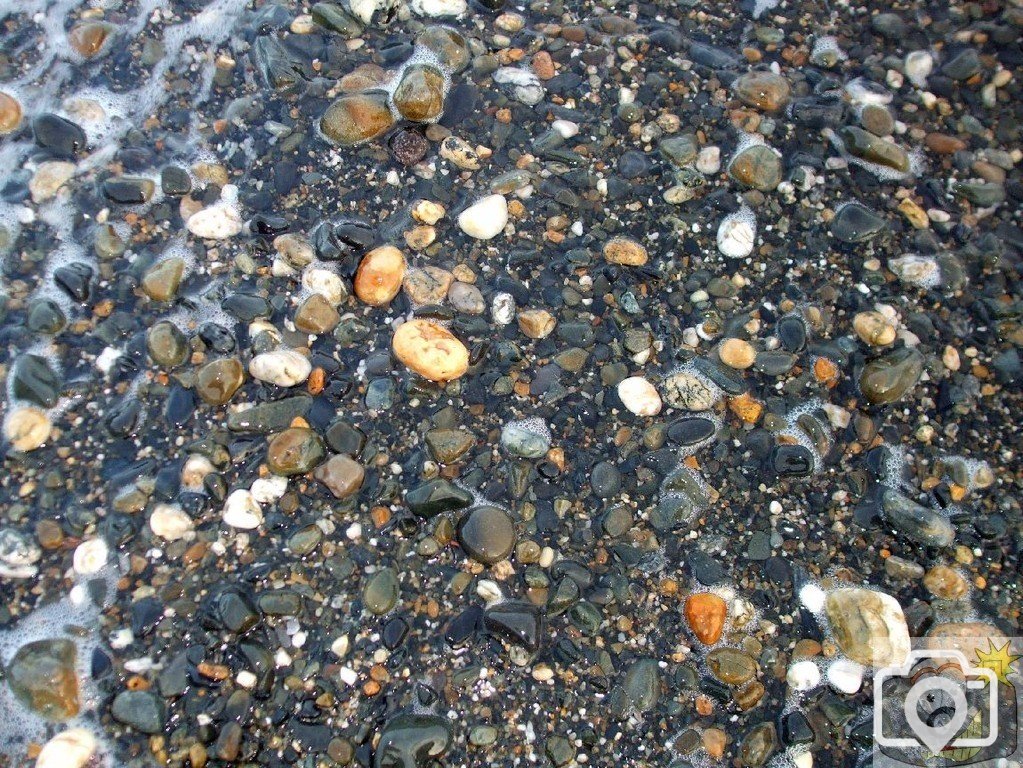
[27, 428]
[357, 117]
[73, 748]
[689, 391]
[737, 353]
[43, 677]
[639, 396]
[142, 710]
[891, 377]
[282, 367]
[380, 276]
[536, 323]
[624, 251]
[737, 234]
[869, 627]
[430, 350]
[486, 218]
[220, 221]
[946, 583]
[171, 523]
[242, 511]
[295, 451]
[525, 440]
[487, 534]
[763, 90]
[757, 166]
[342, 475]
[419, 95]
[48, 178]
[381, 592]
[10, 113]
[705, 613]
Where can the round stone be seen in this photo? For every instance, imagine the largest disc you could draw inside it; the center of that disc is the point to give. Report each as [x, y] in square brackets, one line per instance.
[42, 675]
[430, 350]
[295, 451]
[447, 45]
[536, 323]
[10, 113]
[216, 382]
[170, 522]
[242, 511]
[869, 626]
[27, 428]
[485, 219]
[89, 38]
[73, 748]
[874, 329]
[888, 378]
[737, 234]
[166, 344]
[946, 583]
[487, 534]
[737, 353]
[380, 276]
[357, 117]
[639, 396]
[731, 666]
[763, 90]
[687, 390]
[142, 710]
[419, 95]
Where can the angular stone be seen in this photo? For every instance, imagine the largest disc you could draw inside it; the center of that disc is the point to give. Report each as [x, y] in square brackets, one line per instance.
[142, 710]
[687, 390]
[342, 475]
[435, 497]
[447, 445]
[162, 280]
[316, 315]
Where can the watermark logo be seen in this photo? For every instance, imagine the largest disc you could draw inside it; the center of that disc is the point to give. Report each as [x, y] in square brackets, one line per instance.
[951, 705]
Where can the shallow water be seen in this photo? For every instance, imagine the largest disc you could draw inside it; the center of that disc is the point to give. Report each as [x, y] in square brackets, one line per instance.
[269, 564]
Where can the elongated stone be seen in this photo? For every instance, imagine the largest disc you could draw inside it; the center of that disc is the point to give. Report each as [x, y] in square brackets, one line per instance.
[357, 117]
[916, 521]
[866, 146]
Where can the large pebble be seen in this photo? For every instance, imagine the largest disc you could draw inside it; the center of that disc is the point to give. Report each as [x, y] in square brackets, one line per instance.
[242, 511]
[485, 219]
[170, 522]
[639, 396]
[342, 475]
[869, 626]
[73, 748]
[283, 367]
[430, 350]
[380, 276]
[357, 117]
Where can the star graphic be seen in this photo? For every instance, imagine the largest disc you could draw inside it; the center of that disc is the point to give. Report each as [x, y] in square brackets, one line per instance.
[998, 660]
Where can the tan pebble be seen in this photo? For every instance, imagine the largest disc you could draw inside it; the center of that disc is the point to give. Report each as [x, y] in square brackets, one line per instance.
[27, 428]
[950, 358]
[873, 329]
[737, 353]
[420, 238]
[428, 212]
[427, 285]
[380, 275]
[624, 251]
[431, 350]
[10, 113]
[536, 323]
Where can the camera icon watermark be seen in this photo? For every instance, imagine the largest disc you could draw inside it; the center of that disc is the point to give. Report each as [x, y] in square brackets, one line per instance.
[953, 701]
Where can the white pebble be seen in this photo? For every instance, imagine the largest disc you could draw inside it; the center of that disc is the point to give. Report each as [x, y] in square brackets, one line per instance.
[485, 219]
[489, 591]
[170, 523]
[283, 367]
[326, 283]
[73, 748]
[845, 676]
[812, 598]
[565, 128]
[90, 556]
[639, 396]
[918, 66]
[266, 490]
[737, 234]
[709, 160]
[216, 222]
[803, 676]
[242, 511]
[503, 308]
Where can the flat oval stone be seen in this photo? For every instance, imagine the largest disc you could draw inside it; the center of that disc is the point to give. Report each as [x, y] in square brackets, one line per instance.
[357, 117]
[642, 684]
[867, 146]
[792, 333]
[420, 93]
[731, 666]
[142, 710]
[916, 521]
[869, 626]
[381, 592]
[487, 534]
[380, 276]
[888, 378]
[342, 475]
[691, 430]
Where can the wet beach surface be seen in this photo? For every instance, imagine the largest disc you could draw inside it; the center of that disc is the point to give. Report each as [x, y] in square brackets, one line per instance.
[408, 384]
